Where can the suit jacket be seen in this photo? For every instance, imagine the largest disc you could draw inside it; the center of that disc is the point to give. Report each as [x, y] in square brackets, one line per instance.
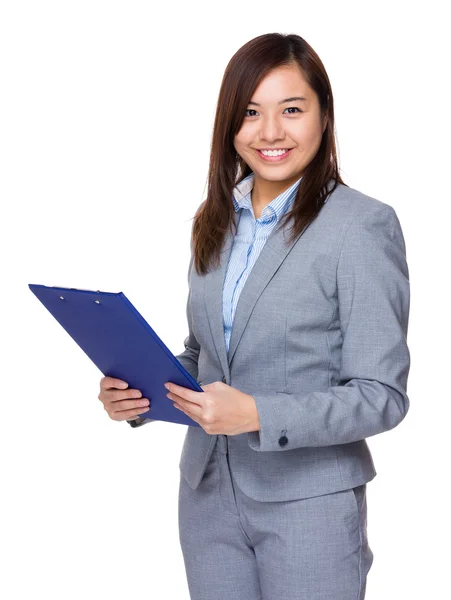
[319, 339]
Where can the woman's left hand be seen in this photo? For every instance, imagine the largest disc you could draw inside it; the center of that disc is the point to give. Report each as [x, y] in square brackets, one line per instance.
[219, 409]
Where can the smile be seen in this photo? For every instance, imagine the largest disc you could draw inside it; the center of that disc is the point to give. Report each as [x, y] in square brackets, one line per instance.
[274, 155]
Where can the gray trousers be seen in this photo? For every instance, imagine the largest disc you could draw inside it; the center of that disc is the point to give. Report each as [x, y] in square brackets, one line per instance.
[237, 548]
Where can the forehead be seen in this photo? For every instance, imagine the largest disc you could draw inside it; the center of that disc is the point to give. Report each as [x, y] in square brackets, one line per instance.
[281, 83]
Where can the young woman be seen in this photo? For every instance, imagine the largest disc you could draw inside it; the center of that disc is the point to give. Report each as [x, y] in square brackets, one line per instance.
[298, 311]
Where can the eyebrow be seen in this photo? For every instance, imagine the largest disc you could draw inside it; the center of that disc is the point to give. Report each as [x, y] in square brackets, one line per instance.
[293, 99]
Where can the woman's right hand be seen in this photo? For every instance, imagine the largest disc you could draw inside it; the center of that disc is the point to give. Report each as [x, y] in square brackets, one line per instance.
[121, 403]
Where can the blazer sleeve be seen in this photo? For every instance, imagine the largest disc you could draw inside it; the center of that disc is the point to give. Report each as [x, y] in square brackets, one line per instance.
[373, 293]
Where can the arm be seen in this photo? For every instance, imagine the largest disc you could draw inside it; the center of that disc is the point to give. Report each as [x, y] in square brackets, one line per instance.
[373, 300]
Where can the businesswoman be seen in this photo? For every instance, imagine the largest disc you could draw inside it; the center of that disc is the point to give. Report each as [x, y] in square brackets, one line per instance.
[297, 315]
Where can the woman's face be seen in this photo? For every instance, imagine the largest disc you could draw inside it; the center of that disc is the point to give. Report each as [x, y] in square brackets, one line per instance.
[272, 122]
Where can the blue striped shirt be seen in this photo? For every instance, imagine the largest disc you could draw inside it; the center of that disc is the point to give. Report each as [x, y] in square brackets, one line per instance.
[248, 242]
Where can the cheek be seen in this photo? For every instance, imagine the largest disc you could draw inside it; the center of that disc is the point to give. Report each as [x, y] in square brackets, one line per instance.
[243, 149]
[244, 138]
[309, 139]
[240, 144]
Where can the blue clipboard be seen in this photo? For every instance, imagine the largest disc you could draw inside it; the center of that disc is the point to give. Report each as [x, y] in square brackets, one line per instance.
[121, 343]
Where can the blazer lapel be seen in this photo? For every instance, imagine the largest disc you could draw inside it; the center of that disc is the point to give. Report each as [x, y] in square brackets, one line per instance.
[214, 281]
[269, 260]
[271, 257]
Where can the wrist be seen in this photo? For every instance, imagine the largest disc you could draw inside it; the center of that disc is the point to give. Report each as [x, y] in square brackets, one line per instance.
[254, 419]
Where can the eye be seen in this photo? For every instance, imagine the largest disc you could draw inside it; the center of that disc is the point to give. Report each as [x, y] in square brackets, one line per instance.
[289, 108]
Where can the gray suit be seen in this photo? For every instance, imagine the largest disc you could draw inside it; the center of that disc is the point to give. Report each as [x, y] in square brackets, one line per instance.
[319, 340]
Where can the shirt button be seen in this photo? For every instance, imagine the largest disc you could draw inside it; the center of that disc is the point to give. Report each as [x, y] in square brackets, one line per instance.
[283, 441]
[223, 379]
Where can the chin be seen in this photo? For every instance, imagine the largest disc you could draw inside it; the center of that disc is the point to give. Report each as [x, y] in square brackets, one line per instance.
[274, 176]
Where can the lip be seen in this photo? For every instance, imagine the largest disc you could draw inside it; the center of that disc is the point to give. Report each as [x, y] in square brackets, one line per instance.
[274, 158]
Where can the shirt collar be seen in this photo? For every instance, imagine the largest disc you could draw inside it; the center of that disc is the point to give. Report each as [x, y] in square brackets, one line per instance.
[280, 205]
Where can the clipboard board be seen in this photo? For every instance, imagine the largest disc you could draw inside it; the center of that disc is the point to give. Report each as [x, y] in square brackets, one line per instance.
[121, 343]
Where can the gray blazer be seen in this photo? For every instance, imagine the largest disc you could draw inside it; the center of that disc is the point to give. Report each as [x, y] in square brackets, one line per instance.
[319, 340]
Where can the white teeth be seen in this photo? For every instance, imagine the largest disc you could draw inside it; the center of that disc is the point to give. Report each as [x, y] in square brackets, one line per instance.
[273, 152]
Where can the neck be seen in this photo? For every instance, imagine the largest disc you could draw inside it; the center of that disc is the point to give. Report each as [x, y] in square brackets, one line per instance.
[264, 191]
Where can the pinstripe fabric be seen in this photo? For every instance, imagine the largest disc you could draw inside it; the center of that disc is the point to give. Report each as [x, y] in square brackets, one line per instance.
[249, 240]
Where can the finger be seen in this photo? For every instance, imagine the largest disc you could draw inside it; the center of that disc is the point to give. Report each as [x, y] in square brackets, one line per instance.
[111, 397]
[118, 395]
[188, 413]
[190, 408]
[186, 393]
[130, 404]
[197, 407]
[108, 383]
[181, 401]
[123, 415]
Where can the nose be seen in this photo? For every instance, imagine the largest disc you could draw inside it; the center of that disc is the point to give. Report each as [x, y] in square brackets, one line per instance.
[271, 129]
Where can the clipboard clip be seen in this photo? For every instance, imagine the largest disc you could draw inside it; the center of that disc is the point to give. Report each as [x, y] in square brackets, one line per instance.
[81, 290]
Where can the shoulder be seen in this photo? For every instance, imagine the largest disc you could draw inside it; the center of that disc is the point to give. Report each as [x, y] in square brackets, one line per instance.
[347, 203]
[364, 222]
[351, 219]
[348, 209]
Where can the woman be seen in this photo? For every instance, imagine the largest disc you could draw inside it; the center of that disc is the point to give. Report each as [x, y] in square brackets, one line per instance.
[312, 275]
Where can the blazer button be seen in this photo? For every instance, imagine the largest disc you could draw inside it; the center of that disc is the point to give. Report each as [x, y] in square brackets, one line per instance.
[223, 379]
[283, 441]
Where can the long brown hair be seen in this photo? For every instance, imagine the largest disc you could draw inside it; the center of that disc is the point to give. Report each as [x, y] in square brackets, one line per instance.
[247, 67]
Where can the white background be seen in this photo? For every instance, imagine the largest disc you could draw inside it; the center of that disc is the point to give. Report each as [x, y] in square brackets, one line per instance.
[106, 118]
